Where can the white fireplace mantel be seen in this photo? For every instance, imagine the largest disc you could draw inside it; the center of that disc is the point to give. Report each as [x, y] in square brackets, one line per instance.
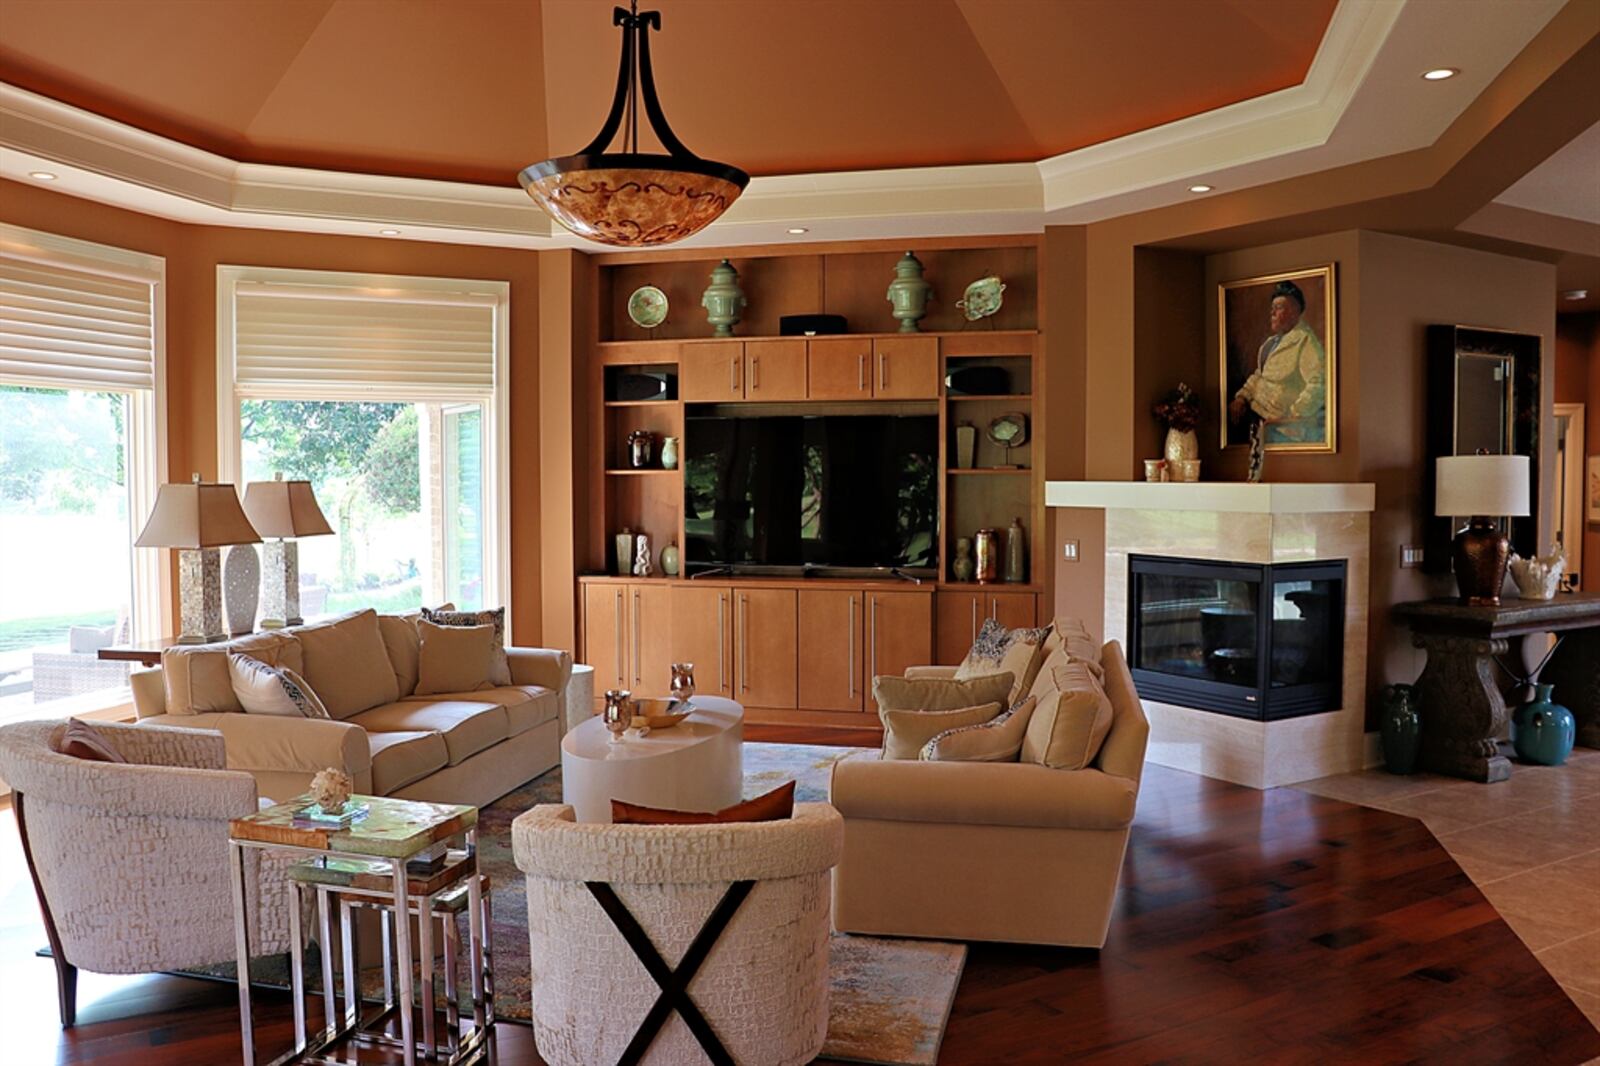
[1238, 497]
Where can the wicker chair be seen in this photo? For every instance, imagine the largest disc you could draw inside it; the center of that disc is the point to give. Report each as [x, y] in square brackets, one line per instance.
[656, 943]
[130, 861]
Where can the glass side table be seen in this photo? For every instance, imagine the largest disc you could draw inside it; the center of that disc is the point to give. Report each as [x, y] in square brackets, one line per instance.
[393, 832]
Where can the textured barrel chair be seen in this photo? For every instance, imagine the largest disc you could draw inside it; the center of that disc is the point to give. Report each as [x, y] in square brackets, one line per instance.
[130, 861]
[620, 915]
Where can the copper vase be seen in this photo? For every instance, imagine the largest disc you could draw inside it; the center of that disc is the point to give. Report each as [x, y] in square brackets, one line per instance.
[986, 545]
[1480, 554]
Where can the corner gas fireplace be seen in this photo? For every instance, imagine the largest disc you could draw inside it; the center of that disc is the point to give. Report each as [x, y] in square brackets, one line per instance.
[1256, 641]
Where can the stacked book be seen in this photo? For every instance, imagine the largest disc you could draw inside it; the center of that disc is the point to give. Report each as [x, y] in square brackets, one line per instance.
[314, 817]
[430, 861]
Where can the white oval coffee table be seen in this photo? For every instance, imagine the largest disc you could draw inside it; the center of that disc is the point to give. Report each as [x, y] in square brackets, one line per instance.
[697, 765]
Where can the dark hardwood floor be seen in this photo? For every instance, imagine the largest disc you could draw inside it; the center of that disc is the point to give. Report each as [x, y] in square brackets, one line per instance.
[1272, 926]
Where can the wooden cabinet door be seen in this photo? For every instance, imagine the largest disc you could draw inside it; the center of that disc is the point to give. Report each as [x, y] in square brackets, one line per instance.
[775, 370]
[712, 372]
[650, 639]
[907, 368]
[1014, 610]
[605, 638]
[959, 616]
[831, 665]
[841, 368]
[899, 632]
[765, 658]
[702, 633]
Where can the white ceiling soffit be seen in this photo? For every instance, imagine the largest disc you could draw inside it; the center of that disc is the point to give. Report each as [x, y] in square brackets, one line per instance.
[1362, 98]
[1566, 184]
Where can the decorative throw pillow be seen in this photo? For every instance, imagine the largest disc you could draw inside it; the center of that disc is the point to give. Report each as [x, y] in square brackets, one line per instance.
[773, 806]
[455, 658]
[1072, 636]
[500, 674]
[1000, 650]
[264, 689]
[939, 694]
[906, 732]
[1071, 720]
[403, 644]
[997, 740]
[81, 740]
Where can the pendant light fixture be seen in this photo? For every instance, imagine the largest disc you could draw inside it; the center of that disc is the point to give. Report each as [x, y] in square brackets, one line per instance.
[634, 199]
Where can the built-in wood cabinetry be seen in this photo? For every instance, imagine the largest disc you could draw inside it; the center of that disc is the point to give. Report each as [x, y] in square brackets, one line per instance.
[627, 632]
[765, 656]
[789, 369]
[841, 368]
[961, 612]
[899, 631]
[712, 372]
[907, 368]
[832, 649]
[775, 370]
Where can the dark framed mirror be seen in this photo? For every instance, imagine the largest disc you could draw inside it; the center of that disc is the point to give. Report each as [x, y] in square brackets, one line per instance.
[1483, 397]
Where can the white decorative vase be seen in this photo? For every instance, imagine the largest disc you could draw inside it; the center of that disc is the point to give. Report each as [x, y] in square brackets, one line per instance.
[1181, 444]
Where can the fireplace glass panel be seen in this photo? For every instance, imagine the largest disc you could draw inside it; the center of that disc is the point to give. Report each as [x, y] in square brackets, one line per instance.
[1199, 627]
[1302, 631]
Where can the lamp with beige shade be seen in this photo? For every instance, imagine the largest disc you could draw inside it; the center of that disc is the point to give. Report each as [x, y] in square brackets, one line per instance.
[283, 510]
[197, 518]
[1487, 487]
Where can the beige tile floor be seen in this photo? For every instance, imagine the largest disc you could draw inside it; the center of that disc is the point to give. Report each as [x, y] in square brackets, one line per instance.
[1530, 844]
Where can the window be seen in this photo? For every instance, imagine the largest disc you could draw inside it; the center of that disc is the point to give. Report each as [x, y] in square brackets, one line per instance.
[80, 343]
[386, 394]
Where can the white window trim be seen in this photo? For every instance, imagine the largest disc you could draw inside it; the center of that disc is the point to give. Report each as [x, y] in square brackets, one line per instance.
[151, 568]
[230, 462]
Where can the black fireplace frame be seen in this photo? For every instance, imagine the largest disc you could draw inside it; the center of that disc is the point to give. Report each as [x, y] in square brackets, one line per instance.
[1262, 702]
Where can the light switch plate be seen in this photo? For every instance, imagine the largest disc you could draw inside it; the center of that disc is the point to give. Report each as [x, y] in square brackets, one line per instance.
[1410, 556]
[1069, 551]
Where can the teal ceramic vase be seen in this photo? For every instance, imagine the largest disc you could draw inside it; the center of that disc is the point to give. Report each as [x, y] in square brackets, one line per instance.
[723, 299]
[1543, 731]
[909, 293]
[1400, 729]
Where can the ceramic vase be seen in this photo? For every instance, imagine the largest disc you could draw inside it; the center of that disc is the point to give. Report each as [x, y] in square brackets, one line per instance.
[1016, 553]
[669, 559]
[669, 453]
[909, 293]
[1400, 727]
[1181, 444]
[962, 567]
[624, 543]
[966, 445]
[723, 299]
[640, 444]
[642, 566]
[1543, 731]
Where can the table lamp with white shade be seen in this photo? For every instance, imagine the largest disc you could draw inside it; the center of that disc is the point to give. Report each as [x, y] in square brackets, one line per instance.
[1487, 487]
[283, 510]
[197, 519]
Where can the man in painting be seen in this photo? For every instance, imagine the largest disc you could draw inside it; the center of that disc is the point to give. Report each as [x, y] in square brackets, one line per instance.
[1288, 389]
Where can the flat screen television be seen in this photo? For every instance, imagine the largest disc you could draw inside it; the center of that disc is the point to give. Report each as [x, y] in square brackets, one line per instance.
[789, 491]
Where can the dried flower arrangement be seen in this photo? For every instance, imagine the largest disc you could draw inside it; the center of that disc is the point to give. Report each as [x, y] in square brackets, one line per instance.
[1180, 410]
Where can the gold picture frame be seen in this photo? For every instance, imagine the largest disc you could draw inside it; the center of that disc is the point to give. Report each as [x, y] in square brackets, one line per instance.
[1245, 326]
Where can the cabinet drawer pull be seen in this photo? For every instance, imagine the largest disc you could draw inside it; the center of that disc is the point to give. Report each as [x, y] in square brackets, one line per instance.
[622, 668]
[850, 668]
[637, 651]
[974, 619]
[722, 643]
[744, 644]
[872, 648]
[861, 373]
[755, 372]
[883, 371]
[733, 374]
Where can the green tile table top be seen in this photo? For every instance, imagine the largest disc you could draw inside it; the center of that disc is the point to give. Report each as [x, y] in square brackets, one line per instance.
[394, 828]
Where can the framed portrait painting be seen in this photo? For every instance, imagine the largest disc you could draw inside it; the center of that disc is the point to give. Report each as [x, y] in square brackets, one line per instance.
[1592, 492]
[1279, 352]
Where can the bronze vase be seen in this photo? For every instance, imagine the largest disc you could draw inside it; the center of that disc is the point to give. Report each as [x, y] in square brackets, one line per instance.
[986, 543]
[1480, 554]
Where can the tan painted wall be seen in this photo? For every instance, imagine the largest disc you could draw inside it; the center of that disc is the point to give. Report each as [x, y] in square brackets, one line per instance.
[194, 252]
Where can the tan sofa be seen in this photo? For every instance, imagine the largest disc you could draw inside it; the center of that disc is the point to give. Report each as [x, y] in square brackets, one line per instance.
[460, 747]
[1012, 852]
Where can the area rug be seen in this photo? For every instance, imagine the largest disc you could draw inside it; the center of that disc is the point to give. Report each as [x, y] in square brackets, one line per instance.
[889, 1000]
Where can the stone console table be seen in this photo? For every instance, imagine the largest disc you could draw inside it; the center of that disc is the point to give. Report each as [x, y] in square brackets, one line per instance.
[1459, 692]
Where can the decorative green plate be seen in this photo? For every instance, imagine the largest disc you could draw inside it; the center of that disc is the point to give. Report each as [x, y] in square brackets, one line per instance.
[647, 307]
[982, 298]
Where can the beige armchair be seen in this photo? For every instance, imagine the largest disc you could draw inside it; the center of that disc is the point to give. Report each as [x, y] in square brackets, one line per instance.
[603, 900]
[1011, 852]
[130, 861]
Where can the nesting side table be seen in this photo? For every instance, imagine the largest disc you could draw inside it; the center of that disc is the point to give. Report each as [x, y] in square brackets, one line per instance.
[393, 832]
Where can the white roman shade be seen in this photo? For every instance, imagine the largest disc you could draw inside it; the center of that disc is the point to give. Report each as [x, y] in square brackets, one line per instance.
[341, 342]
[65, 327]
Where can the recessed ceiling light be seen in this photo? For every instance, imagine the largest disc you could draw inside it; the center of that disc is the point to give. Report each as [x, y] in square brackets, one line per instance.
[798, 230]
[1439, 73]
[388, 233]
[1575, 294]
[1199, 188]
[41, 175]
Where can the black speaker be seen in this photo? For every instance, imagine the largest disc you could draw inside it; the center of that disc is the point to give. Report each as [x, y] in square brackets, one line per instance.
[978, 381]
[642, 385]
[811, 325]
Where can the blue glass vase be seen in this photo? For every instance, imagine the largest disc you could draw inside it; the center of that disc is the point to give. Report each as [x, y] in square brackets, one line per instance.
[1543, 731]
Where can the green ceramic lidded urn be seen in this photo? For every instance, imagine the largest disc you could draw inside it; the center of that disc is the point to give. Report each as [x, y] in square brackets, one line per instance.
[909, 293]
[1543, 731]
[1400, 729]
[723, 299]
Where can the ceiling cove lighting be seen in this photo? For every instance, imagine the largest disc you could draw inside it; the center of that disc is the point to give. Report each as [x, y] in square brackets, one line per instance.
[1200, 188]
[388, 233]
[797, 230]
[629, 198]
[41, 175]
[1439, 73]
[1575, 294]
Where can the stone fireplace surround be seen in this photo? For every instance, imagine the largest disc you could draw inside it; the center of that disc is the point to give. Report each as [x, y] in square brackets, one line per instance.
[1240, 522]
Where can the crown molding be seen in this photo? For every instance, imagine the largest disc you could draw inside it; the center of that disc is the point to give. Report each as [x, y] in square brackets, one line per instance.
[1345, 111]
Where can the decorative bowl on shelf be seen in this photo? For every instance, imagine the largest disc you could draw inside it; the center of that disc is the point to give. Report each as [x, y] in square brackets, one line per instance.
[982, 298]
[647, 307]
